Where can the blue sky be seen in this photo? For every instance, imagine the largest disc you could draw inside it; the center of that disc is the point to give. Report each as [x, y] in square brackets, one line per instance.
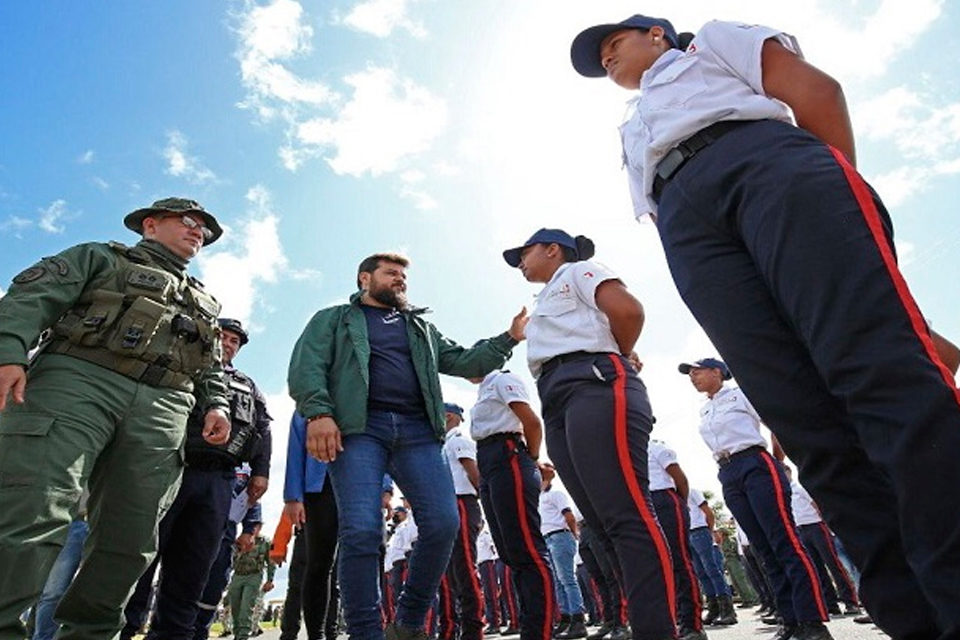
[320, 132]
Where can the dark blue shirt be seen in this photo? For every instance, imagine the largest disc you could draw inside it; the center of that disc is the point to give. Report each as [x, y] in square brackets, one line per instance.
[393, 380]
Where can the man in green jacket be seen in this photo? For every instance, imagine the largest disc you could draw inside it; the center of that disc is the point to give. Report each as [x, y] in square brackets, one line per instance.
[130, 344]
[366, 376]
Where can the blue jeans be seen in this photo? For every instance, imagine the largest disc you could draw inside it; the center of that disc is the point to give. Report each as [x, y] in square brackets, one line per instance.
[59, 578]
[563, 551]
[706, 564]
[409, 449]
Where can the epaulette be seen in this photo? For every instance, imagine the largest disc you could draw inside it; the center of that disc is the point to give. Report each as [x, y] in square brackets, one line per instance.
[130, 253]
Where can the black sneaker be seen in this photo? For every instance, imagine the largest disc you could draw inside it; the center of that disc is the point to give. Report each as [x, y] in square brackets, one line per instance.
[602, 631]
[394, 631]
[491, 630]
[784, 632]
[692, 634]
[510, 631]
[864, 619]
[620, 633]
[811, 631]
[850, 609]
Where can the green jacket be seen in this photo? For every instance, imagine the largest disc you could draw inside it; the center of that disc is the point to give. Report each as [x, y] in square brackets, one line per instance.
[42, 294]
[329, 369]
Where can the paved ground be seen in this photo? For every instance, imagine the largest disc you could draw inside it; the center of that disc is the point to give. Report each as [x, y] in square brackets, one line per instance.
[749, 628]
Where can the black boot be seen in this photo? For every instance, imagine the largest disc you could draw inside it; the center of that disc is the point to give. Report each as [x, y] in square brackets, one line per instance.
[576, 629]
[815, 630]
[727, 615]
[713, 611]
[602, 631]
[562, 625]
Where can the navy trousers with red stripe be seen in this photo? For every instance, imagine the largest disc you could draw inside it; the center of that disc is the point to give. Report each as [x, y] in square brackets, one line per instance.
[462, 573]
[757, 492]
[597, 423]
[818, 540]
[785, 257]
[510, 494]
[674, 518]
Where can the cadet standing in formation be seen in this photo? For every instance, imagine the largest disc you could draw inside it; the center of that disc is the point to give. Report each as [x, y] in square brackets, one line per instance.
[133, 345]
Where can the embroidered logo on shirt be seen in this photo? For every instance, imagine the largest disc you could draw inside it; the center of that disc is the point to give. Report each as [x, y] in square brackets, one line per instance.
[391, 317]
[588, 274]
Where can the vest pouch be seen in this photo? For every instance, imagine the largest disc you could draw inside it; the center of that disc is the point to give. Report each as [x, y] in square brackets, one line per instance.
[201, 352]
[137, 328]
[146, 281]
[90, 328]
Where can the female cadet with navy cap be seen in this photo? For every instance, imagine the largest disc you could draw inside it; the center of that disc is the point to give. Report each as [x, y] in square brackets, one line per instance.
[597, 419]
[785, 257]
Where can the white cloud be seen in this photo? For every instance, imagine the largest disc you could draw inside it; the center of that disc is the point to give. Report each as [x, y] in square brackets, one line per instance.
[100, 183]
[50, 216]
[381, 17]
[86, 157]
[270, 35]
[251, 257]
[388, 120]
[15, 223]
[182, 165]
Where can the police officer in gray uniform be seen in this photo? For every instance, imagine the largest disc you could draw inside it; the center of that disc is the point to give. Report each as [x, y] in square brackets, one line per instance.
[133, 347]
[190, 531]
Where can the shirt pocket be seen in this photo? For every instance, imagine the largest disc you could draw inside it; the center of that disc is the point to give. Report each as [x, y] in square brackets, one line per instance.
[675, 86]
[556, 306]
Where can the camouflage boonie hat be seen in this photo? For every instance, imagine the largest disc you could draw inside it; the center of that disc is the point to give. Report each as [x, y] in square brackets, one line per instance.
[229, 324]
[134, 219]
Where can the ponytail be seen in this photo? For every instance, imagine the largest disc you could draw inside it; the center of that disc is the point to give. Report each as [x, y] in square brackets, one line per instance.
[684, 39]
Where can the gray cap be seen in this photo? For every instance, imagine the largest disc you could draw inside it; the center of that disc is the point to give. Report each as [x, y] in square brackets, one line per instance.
[134, 219]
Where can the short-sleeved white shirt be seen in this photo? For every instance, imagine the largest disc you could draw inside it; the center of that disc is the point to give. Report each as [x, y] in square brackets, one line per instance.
[486, 549]
[729, 423]
[394, 549]
[804, 511]
[492, 413]
[552, 505]
[719, 77]
[659, 457]
[566, 318]
[697, 517]
[457, 446]
[406, 534]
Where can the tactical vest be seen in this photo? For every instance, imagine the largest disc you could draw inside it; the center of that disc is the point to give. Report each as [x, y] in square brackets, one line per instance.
[145, 323]
[244, 436]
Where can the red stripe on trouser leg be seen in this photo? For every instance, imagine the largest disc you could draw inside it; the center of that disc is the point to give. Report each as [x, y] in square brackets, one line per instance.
[470, 561]
[542, 568]
[792, 536]
[511, 597]
[872, 216]
[687, 562]
[630, 477]
[836, 561]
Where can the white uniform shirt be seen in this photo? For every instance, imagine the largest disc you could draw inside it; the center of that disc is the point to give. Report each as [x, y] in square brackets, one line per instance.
[394, 550]
[552, 505]
[457, 446]
[659, 457]
[406, 534]
[742, 539]
[566, 318]
[804, 511]
[492, 413]
[729, 423]
[486, 549]
[697, 517]
[719, 77]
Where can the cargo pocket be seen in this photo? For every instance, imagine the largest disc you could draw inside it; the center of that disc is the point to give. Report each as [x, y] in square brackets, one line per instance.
[23, 449]
[136, 328]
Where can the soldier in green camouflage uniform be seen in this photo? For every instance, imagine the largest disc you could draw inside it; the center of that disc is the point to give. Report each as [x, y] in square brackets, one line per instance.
[131, 344]
[247, 585]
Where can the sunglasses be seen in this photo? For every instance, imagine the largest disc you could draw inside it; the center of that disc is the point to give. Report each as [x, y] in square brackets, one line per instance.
[190, 223]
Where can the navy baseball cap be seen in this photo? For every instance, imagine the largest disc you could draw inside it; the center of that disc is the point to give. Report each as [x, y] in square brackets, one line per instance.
[705, 363]
[543, 236]
[585, 50]
[450, 407]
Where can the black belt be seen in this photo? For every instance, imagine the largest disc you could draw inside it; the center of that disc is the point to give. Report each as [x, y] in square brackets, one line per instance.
[499, 437]
[723, 459]
[556, 361]
[553, 533]
[680, 154]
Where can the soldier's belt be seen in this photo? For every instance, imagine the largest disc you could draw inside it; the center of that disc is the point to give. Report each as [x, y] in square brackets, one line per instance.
[146, 372]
